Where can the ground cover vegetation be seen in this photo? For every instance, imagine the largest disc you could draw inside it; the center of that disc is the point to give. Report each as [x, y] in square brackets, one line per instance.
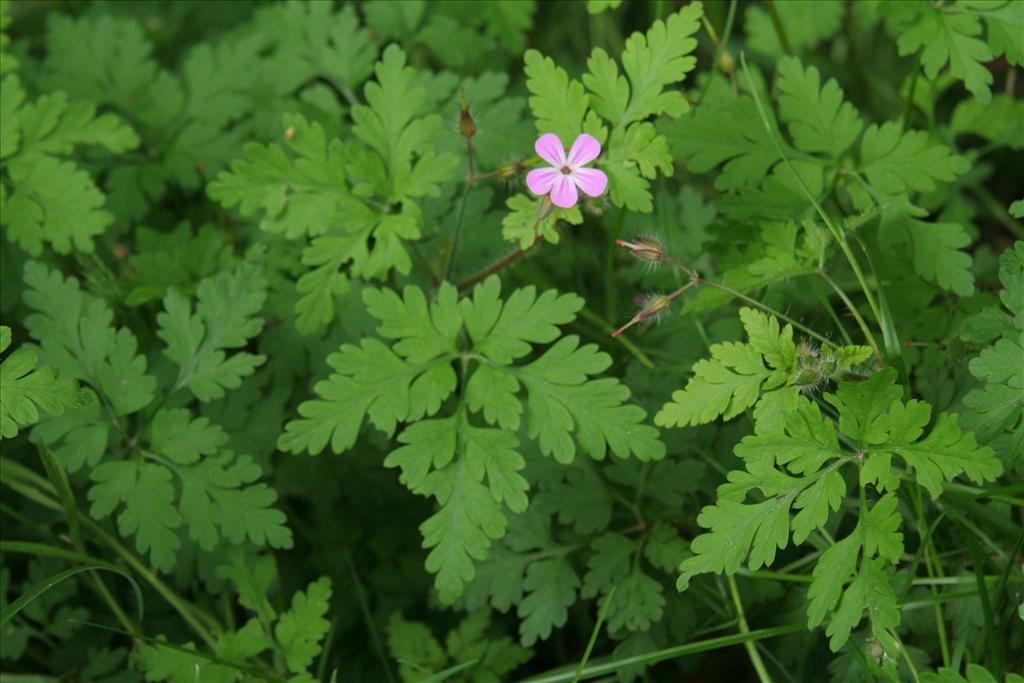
[506, 341]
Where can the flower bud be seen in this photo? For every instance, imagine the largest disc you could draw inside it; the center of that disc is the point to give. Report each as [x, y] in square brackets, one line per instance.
[644, 248]
[726, 62]
[467, 127]
[289, 133]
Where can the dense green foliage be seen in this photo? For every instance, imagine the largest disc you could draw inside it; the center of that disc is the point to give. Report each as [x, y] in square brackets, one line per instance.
[301, 383]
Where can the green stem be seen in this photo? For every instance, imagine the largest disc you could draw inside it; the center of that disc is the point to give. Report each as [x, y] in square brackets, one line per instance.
[449, 258]
[501, 263]
[981, 493]
[780, 30]
[59, 481]
[928, 552]
[861, 323]
[906, 658]
[626, 343]
[593, 634]
[909, 107]
[610, 288]
[997, 211]
[768, 309]
[836, 320]
[648, 658]
[364, 607]
[749, 646]
[839, 236]
[719, 48]
[40, 495]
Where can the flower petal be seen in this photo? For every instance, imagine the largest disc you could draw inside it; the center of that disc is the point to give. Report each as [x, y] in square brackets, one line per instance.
[540, 180]
[592, 181]
[584, 150]
[564, 192]
[549, 148]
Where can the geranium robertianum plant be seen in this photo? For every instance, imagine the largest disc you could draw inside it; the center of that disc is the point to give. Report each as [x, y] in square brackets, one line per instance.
[496, 341]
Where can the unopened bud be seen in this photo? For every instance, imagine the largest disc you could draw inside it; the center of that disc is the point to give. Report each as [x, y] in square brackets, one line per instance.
[807, 377]
[644, 248]
[467, 127]
[121, 251]
[289, 133]
[726, 62]
[805, 350]
[811, 372]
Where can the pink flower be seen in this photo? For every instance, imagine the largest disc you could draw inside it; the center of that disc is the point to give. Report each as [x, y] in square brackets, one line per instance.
[567, 173]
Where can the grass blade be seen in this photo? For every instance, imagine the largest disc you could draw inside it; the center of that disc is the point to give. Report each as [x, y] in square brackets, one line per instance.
[674, 652]
[449, 672]
[593, 634]
[46, 584]
[155, 642]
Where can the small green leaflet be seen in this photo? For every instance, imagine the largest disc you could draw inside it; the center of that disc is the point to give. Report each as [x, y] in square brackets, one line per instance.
[297, 636]
[551, 586]
[218, 498]
[301, 629]
[200, 343]
[77, 336]
[312, 40]
[817, 117]
[894, 160]
[388, 125]
[467, 648]
[558, 102]
[52, 200]
[612, 564]
[951, 38]
[650, 62]
[526, 222]
[867, 588]
[299, 193]
[26, 388]
[806, 25]
[995, 411]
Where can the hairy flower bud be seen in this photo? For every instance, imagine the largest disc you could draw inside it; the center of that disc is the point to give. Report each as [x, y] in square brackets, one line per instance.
[467, 127]
[809, 374]
[644, 248]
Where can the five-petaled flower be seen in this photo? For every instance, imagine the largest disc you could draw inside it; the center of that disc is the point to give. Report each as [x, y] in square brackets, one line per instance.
[567, 173]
